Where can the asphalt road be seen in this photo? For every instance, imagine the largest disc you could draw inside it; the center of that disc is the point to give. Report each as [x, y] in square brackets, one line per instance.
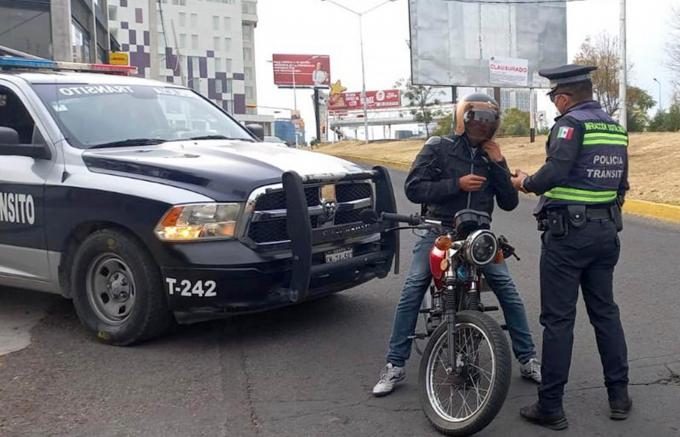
[308, 370]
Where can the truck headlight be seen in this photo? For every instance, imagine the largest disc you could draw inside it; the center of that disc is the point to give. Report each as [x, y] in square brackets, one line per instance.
[208, 221]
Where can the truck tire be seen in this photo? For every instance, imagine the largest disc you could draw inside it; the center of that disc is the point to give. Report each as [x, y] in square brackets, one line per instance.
[117, 289]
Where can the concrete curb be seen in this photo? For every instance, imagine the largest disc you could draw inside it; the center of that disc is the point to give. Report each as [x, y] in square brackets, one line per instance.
[659, 211]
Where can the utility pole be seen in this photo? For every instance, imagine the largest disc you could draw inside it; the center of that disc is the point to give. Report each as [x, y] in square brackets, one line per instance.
[360, 15]
[623, 74]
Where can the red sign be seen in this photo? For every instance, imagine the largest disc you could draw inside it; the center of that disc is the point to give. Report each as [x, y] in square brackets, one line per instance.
[374, 100]
[302, 70]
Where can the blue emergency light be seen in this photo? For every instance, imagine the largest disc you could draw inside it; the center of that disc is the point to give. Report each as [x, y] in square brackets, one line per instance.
[14, 62]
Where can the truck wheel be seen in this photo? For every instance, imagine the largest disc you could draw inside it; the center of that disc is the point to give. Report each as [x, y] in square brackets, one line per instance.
[117, 292]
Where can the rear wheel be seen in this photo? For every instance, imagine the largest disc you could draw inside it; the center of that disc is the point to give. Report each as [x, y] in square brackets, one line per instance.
[463, 398]
[118, 293]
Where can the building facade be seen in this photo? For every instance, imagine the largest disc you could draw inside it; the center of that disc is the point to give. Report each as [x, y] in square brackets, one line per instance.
[207, 45]
[62, 30]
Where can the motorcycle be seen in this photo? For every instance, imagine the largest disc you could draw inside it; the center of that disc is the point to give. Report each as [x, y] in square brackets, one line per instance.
[465, 369]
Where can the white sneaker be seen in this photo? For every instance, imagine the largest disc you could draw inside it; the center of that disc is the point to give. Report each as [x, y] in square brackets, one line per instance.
[389, 377]
[531, 370]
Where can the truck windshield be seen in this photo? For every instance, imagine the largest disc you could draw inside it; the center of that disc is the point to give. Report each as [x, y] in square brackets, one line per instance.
[101, 115]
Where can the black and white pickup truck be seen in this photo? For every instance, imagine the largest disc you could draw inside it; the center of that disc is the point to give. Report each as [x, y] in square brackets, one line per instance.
[147, 204]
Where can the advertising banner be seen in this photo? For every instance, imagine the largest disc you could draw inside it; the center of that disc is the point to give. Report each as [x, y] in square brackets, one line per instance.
[374, 99]
[302, 71]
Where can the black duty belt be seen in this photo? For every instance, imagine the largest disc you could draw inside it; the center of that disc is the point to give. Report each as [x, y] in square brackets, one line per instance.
[598, 214]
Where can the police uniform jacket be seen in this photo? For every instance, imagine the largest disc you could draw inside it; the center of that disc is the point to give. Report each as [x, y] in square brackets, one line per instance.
[587, 160]
[433, 179]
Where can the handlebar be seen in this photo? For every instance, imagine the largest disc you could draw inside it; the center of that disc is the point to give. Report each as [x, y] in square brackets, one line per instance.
[369, 216]
[412, 220]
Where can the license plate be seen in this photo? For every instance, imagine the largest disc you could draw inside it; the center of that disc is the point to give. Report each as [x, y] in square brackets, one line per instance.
[338, 255]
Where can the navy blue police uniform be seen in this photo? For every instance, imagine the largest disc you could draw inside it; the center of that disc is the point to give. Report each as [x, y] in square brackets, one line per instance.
[582, 186]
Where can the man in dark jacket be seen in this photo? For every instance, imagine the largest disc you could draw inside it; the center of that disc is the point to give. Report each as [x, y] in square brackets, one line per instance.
[466, 171]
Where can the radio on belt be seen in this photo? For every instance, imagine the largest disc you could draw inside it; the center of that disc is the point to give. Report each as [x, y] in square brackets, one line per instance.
[115, 194]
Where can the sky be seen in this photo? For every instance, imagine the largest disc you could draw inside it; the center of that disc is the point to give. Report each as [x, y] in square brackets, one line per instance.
[320, 27]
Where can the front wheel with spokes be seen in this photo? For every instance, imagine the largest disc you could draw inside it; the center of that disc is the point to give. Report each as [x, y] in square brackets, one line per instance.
[463, 397]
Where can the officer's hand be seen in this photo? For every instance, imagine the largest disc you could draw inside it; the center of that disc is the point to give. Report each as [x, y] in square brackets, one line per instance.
[471, 182]
[517, 180]
[493, 150]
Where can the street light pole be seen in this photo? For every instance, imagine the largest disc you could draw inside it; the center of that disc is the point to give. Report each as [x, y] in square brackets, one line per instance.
[271, 61]
[363, 78]
[657, 81]
[361, 42]
[623, 75]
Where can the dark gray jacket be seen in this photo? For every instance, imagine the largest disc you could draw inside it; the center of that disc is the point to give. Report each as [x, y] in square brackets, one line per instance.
[433, 179]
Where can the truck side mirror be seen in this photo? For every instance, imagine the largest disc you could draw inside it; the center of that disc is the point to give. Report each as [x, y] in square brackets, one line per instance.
[10, 146]
[257, 130]
[9, 136]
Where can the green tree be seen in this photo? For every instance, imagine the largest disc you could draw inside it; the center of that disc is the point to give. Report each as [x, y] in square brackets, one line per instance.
[603, 52]
[666, 121]
[639, 102]
[444, 126]
[515, 122]
[421, 98]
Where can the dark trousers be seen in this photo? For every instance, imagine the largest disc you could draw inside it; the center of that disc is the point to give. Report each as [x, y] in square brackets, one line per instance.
[585, 257]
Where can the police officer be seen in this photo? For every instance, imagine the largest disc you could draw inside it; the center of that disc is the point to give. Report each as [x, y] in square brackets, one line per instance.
[582, 187]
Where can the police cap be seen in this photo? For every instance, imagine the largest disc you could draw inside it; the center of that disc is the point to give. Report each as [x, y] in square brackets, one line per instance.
[566, 74]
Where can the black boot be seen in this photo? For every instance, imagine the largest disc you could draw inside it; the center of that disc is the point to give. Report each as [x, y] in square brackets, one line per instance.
[534, 414]
[620, 408]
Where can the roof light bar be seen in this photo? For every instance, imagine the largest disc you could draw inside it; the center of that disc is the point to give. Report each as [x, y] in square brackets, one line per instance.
[16, 62]
[9, 62]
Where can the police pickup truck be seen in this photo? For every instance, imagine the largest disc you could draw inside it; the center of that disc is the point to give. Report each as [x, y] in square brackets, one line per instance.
[147, 205]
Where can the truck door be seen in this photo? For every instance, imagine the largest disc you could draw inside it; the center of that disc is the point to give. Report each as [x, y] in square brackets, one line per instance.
[23, 254]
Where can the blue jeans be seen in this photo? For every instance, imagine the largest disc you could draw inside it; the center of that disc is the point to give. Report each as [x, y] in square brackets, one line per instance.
[416, 285]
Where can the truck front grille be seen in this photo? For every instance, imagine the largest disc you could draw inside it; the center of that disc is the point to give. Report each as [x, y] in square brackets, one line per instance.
[268, 221]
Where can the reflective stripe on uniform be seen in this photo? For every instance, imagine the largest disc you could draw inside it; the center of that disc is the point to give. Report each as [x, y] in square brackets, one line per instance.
[576, 195]
[605, 139]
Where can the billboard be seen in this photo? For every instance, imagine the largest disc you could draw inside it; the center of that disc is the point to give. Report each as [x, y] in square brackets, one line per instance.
[302, 71]
[482, 44]
[374, 100]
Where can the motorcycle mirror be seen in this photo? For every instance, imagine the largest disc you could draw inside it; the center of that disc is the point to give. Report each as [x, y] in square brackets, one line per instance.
[369, 216]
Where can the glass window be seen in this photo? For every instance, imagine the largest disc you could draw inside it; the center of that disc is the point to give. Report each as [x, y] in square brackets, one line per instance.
[216, 43]
[228, 86]
[182, 19]
[92, 115]
[80, 41]
[196, 84]
[247, 54]
[194, 42]
[216, 23]
[248, 72]
[113, 12]
[227, 67]
[218, 64]
[227, 44]
[182, 41]
[249, 93]
[227, 23]
[247, 34]
[194, 20]
[14, 115]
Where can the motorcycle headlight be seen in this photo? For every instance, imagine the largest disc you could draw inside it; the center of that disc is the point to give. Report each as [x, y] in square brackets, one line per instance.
[208, 221]
[481, 247]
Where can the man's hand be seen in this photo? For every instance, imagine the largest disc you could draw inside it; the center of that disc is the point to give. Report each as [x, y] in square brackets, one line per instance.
[518, 179]
[493, 150]
[471, 182]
